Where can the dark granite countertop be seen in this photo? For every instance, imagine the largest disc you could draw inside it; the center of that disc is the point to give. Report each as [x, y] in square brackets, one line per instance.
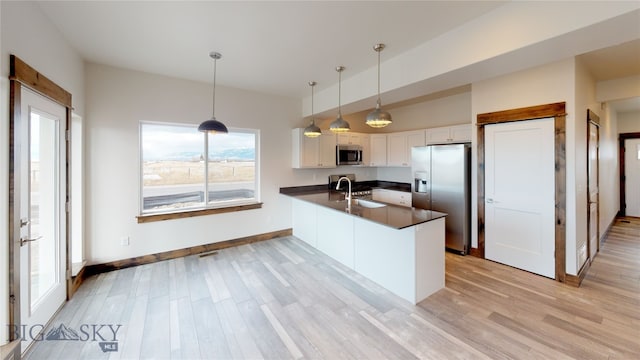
[398, 217]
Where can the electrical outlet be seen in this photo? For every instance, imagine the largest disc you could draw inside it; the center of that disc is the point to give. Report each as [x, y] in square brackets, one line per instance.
[124, 241]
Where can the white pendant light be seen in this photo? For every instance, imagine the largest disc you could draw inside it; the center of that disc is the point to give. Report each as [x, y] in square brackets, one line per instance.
[312, 130]
[378, 118]
[339, 124]
[212, 125]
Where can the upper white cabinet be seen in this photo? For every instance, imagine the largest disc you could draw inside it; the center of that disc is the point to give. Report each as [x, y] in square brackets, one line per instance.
[449, 134]
[378, 150]
[366, 149]
[319, 152]
[399, 146]
[349, 138]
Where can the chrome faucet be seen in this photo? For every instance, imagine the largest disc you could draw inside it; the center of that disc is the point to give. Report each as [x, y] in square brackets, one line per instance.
[348, 196]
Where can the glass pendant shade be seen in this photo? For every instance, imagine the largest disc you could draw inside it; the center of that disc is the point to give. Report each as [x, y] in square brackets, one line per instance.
[213, 126]
[339, 124]
[378, 118]
[312, 130]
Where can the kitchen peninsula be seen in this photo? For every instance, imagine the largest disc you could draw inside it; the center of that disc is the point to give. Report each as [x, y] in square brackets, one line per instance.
[400, 248]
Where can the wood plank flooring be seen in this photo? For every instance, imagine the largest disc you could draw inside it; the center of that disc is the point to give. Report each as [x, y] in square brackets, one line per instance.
[281, 299]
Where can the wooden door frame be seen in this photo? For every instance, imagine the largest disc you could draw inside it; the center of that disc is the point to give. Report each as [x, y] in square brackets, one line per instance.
[621, 153]
[558, 112]
[593, 118]
[23, 75]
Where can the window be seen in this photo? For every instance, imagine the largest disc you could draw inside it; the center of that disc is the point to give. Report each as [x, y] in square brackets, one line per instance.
[184, 169]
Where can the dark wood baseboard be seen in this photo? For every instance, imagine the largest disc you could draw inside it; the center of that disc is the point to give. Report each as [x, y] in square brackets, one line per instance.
[576, 280]
[76, 281]
[173, 254]
[476, 252]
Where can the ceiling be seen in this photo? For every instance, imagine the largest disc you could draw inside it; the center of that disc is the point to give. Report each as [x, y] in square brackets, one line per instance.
[616, 62]
[270, 47]
[276, 47]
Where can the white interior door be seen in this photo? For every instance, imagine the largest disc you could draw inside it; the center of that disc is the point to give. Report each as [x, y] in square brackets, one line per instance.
[632, 176]
[519, 195]
[592, 168]
[42, 218]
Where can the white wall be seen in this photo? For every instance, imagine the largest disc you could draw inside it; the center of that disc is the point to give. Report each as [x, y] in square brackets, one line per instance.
[541, 85]
[28, 34]
[616, 89]
[628, 122]
[585, 95]
[117, 100]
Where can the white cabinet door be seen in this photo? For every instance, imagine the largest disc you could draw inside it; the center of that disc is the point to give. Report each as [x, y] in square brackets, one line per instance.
[438, 135]
[460, 133]
[309, 152]
[350, 138]
[335, 235]
[399, 146]
[327, 150]
[378, 150]
[449, 134]
[319, 152]
[366, 149]
[396, 149]
[305, 225]
[394, 197]
[520, 195]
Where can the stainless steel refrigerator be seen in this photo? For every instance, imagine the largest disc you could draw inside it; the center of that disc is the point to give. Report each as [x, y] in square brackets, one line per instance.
[442, 182]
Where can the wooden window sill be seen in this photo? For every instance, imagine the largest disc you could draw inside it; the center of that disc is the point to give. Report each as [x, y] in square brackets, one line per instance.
[191, 213]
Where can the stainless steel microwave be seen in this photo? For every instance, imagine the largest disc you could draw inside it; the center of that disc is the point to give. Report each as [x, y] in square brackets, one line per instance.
[348, 155]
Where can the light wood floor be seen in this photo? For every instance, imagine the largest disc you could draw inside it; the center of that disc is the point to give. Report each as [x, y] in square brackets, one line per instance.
[281, 299]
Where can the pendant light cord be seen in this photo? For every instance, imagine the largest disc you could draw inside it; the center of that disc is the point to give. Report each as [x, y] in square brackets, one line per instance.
[313, 118]
[213, 106]
[378, 102]
[340, 93]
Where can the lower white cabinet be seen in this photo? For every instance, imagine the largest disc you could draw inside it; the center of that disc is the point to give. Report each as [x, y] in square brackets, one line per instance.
[408, 262]
[305, 221]
[335, 235]
[395, 197]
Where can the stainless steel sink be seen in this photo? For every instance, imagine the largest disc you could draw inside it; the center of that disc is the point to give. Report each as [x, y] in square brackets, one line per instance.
[368, 203]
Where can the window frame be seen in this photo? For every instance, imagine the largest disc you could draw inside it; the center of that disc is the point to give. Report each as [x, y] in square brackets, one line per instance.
[206, 208]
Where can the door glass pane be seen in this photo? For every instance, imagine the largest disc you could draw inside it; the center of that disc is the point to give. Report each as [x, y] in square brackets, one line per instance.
[44, 205]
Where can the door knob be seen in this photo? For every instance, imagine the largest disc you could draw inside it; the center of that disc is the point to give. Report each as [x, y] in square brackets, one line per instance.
[24, 222]
[489, 201]
[23, 241]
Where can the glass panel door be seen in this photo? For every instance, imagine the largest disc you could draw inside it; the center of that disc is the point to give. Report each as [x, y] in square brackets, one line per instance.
[42, 213]
[43, 205]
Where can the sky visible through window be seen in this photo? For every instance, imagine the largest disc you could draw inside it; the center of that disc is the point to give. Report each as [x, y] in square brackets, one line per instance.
[185, 143]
